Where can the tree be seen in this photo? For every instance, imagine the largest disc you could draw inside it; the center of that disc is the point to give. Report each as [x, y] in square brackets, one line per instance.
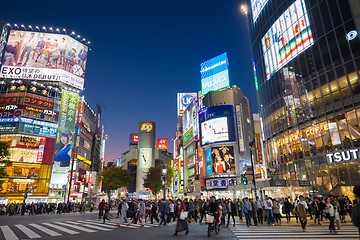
[113, 178]
[170, 174]
[153, 180]
[4, 159]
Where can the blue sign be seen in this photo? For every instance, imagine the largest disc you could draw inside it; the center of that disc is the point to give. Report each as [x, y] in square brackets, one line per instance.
[186, 100]
[40, 123]
[64, 186]
[214, 74]
[208, 161]
[9, 119]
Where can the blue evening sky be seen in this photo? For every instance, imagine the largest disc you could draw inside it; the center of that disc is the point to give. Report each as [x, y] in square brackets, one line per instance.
[144, 52]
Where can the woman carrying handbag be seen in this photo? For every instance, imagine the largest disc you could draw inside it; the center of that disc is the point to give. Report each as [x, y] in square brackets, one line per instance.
[181, 224]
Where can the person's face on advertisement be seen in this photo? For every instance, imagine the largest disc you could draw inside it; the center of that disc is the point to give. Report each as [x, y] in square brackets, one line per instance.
[216, 151]
[226, 157]
[64, 140]
[223, 150]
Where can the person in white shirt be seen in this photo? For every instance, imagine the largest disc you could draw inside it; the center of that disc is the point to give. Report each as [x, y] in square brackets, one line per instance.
[259, 211]
[268, 209]
[124, 209]
[28, 45]
[62, 47]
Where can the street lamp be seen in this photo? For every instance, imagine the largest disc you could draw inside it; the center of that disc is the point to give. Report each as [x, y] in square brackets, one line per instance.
[244, 9]
[164, 170]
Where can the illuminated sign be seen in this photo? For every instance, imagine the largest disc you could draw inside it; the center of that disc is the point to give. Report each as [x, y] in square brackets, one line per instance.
[38, 103]
[216, 183]
[23, 181]
[214, 74]
[348, 155]
[162, 143]
[351, 35]
[188, 137]
[208, 161]
[8, 100]
[258, 144]
[40, 110]
[183, 100]
[147, 127]
[240, 131]
[256, 8]
[71, 71]
[135, 138]
[288, 37]
[214, 130]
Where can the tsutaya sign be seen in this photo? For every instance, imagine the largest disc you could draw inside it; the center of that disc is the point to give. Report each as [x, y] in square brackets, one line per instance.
[343, 156]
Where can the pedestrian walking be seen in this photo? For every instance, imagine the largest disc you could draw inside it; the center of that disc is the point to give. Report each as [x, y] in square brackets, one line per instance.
[101, 208]
[246, 209]
[106, 213]
[91, 206]
[317, 210]
[355, 210]
[287, 207]
[181, 224]
[268, 209]
[124, 209]
[230, 211]
[162, 211]
[301, 209]
[330, 212]
[276, 211]
[141, 210]
[259, 210]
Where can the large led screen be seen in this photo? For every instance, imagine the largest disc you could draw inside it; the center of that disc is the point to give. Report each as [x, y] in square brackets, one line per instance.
[44, 57]
[223, 159]
[214, 74]
[256, 8]
[214, 130]
[288, 37]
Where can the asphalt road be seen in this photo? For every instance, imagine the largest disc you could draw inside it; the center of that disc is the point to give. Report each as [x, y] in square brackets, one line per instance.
[76, 226]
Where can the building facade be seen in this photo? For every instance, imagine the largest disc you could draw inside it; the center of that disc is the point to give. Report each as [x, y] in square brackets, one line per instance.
[306, 58]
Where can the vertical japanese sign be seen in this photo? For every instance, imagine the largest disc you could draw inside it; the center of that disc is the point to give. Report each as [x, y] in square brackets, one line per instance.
[64, 140]
[258, 144]
[239, 125]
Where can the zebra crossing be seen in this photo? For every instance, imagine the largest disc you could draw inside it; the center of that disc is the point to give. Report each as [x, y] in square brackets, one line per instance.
[294, 232]
[62, 228]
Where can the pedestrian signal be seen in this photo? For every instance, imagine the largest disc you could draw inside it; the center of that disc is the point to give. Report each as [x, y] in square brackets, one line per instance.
[244, 180]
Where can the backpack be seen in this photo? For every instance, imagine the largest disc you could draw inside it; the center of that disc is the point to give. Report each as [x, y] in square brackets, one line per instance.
[301, 210]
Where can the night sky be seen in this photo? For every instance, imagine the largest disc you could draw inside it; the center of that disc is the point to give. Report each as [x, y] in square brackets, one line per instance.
[144, 52]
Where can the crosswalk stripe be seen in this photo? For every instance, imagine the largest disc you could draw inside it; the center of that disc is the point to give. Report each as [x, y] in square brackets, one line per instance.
[45, 230]
[8, 233]
[27, 231]
[98, 224]
[76, 227]
[61, 228]
[301, 237]
[91, 226]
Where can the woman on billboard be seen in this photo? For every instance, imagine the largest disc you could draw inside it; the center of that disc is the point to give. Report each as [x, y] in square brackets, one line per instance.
[63, 154]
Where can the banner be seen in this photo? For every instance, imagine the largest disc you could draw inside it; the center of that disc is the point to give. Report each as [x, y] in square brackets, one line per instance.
[64, 140]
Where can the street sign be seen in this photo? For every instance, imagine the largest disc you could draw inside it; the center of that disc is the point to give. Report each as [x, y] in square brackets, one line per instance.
[64, 186]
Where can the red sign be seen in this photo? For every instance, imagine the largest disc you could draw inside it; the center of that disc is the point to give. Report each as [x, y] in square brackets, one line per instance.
[162, 143]
[8, 100]
[38, 103]
[135, 138]
[41, 150]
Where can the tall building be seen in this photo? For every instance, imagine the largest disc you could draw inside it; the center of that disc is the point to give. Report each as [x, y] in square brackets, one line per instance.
[42, 74]
[306, 58]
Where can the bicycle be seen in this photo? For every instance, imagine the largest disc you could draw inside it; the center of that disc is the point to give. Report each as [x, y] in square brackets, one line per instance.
[213, 224]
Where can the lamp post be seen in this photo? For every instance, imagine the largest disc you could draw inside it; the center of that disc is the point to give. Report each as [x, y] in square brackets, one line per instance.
[164, 170]
[251, 144]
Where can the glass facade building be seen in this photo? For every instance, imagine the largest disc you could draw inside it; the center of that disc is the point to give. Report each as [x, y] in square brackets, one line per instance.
[306, 58]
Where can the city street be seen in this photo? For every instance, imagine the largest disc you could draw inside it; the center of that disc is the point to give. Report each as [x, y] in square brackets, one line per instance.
[88, 226]
[84, 226]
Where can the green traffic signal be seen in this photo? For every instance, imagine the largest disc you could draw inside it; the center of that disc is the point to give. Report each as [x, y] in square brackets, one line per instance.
[244, 180]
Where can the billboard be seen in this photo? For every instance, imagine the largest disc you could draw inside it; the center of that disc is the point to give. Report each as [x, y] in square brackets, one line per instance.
[162, 143]
[64, 140]
[145, 160]
[288, 37]
[240, 130]
[222, 159]
[214, 74]
[44, 57]
[183, 100]
[208, 161]
[217, 124]
[256, 8]
[189, 117]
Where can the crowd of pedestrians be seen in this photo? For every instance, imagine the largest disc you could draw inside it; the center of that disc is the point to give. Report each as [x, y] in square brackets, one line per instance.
[12, 209]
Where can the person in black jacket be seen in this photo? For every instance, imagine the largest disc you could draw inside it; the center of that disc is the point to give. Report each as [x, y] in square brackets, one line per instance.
[288, 207]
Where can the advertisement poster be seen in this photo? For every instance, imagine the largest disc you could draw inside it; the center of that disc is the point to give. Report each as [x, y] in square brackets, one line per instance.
[64, 140]
[214, 130]
[208, 161]
[44, 56]
[214, 74]
[288, 37]
[145, 161]
[256, 8]
[223, 159]
[162, 143]
[240, 131]
[189, 117]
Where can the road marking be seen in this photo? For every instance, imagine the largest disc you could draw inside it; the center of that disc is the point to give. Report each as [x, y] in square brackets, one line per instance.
[8, 233]
[99, 224]
[61, 228]
[45, 230]
[91, 226]
[27, 231]
[77, 227]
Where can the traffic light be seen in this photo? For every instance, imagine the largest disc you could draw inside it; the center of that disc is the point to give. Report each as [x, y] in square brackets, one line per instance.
[244, 180]
[252, 143]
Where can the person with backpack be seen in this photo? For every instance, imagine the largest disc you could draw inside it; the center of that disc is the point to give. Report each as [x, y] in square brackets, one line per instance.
[301, 207]
[355, 210]
[106, 213]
